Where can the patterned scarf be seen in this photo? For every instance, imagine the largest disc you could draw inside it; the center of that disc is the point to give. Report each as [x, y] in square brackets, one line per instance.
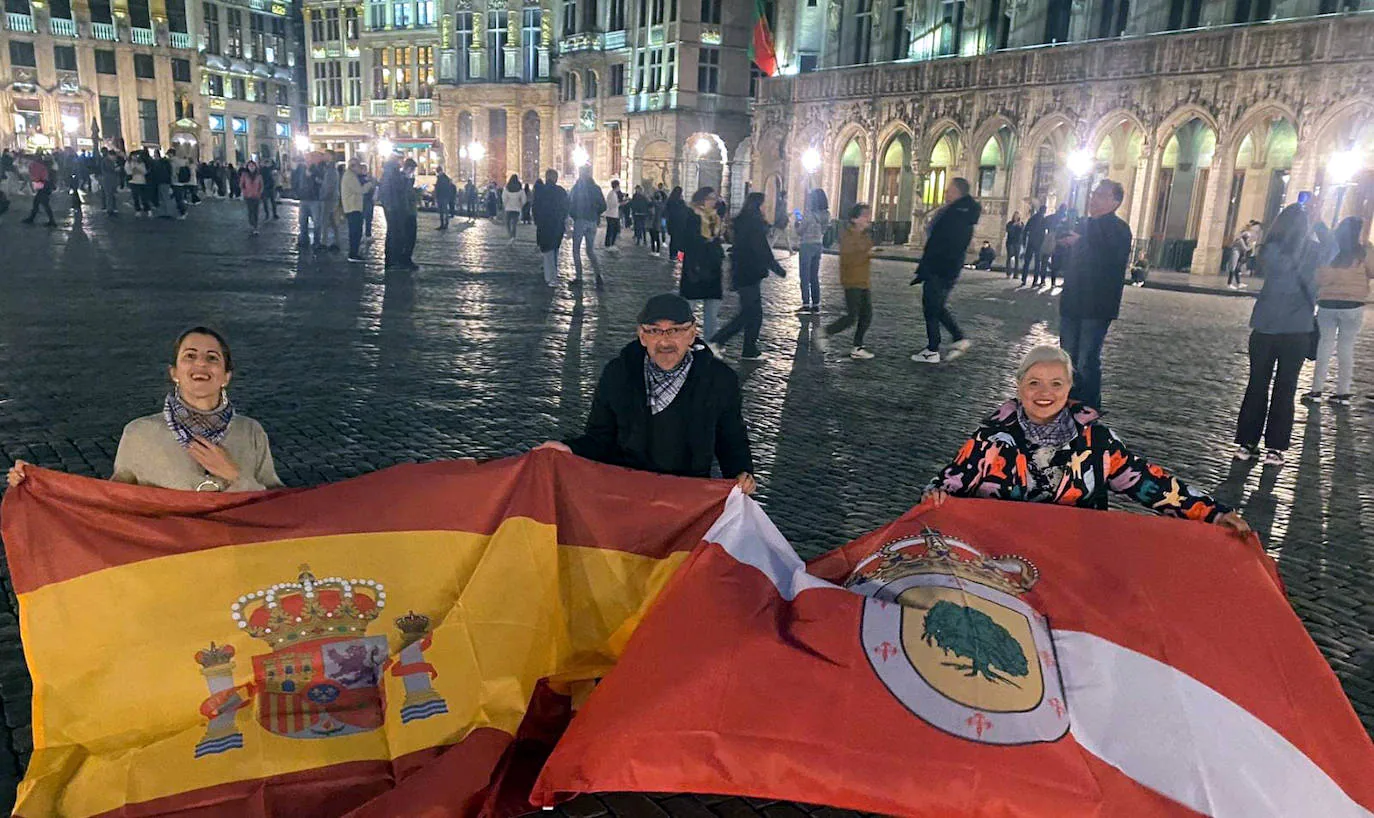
[186, 422]
[1056, 433]
[663, 385]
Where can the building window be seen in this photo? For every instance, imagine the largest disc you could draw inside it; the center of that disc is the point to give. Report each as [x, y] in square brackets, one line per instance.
[100, 12]
[403, 74]
[335, 77]
[531, 38]
[64, 57]
[463, 23]
[176, 16]
[860, 41]
[497, 37]
[1252, 11]
[355, 82]
[1112, 22]
[901, 39]
[670, 76]
[331, 25]
[656, 16]
[569, 17]
[376, 16]
[21, 53]
[139, 17]
[708, 71]
[111, 124]
[402, 15]
[352, 27]
[381, 73]
[283, 94]
[181, 70]
[641, 76]
[211, 12]
[257, 92]
[589, 85]
[233, 42]
[257, 38]
[613, 137]
[240, 87]
[276, 45]
[143, 66]
[104, 58]
[62, 9]
[615, 21]
[710, 11]
[425, 73]
[316, 26]
[147, 121]
[618, 80]
[424, 13]
[656, 69]
[214, 85]
[952, 24]
[589, 15]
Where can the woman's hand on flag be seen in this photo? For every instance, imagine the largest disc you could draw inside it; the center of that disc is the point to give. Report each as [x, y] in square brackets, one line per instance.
[16, 473]
[746, 482]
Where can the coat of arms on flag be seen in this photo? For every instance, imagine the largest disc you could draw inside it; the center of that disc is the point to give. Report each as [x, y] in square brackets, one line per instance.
[323, 676]
[950, 634]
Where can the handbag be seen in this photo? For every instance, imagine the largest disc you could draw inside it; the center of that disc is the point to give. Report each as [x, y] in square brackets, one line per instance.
[1315, 335]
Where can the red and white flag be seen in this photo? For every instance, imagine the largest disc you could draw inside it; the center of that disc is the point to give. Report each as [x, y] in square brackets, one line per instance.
[984, 658]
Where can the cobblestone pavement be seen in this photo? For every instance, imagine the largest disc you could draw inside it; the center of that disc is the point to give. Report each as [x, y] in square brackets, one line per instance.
[351, 370]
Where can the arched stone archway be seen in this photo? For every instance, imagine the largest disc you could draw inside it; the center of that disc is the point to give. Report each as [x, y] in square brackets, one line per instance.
[850, 176]
[1118, 148]
[1178, 212]
[653, 158]
[1261, 170]
[741, 174]
[705, 163]
[1344, 156]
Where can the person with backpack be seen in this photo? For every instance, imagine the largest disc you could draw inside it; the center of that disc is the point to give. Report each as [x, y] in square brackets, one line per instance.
[550, 211]
[856, 265]
[815, 229]
[586, 203]
[942, 258]
[751, 259]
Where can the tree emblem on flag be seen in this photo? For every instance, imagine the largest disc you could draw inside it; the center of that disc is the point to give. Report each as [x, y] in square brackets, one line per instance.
[976, 659]
[324, 675]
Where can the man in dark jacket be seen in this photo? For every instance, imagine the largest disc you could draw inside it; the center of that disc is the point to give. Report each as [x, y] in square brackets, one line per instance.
[666, 405]
[1032, 238]
[445, 194]
[550, 211]
[950, 231]
[399, 202]
[1100, 249]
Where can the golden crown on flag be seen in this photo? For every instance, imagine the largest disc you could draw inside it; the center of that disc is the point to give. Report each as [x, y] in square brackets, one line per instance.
[933, 553]
[215, 655]
[309, 608]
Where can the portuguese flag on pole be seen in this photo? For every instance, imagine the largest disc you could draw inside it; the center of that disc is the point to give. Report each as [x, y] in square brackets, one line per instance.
[761, 49]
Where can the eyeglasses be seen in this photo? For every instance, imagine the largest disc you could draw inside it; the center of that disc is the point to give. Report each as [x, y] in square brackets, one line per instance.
[667, 332]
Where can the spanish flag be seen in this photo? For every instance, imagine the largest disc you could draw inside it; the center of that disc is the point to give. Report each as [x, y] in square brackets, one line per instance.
[393, 645]
[983, 658]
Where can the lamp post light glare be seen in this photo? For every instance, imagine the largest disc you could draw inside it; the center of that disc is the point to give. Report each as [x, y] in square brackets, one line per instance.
[1344, 166]
[580, 157]
[1080, 163]
[811, 160]
[385, 147]
[703, 147]
[302, 143]
[70, 124]
[476, 150]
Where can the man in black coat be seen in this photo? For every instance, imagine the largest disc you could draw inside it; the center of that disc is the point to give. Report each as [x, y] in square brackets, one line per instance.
[1093, 280]
[951, 230]
[1032, 238]
[667, 405]
[550, 211]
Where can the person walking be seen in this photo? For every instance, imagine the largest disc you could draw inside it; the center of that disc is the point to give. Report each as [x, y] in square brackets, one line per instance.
[400, 203]
[814, 224]
[527, 211]
[856, 265]
[702, 257]
[269, 172]
[615, 203]
[586, 204]
[639, 214]
[949, 232]
[111, 166]
[513, 202]
[250, 187]
[445, 195]
[40, 178]
[655, 221]
[136, 168]
[674, 209]
[550, 210]
[470, 199]
[1100, 250]
[329, 202]
[667, 405]
[1342, 287]
[307, 188]
[1015, 228]
[1032, 238]
[1281, 325]
[1232, 260]
[183, 179]
[751, 259]
[354, 191]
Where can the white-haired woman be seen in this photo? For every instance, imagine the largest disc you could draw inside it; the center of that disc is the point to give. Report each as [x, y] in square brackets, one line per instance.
[1040, 448]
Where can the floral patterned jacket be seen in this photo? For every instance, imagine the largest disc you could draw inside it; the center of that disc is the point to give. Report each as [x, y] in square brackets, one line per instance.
[997, 462]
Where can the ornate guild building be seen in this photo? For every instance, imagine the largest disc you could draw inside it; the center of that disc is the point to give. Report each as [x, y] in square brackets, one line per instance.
[1211, 113]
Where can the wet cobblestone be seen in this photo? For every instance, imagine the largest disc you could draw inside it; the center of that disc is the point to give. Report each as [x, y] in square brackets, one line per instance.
[351, 370]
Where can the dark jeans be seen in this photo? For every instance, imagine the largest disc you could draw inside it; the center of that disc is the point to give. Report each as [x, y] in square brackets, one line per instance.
[400, 238]
[1082, 338]
[252, 212]
[355, 233]
[445, 213]
[612, 231]
[40, 199]
[749, 318]
[1029, 258]
[934, 298]
[1263, 410]
[269, 203]
[809, 267]
[369, 207]
[655, 241]
[858, 306]
[512, 222]
[639, 224]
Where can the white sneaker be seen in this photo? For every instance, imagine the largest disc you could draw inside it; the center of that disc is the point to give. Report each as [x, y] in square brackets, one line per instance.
[1273, 457]
[860, 354]
[822, 340]
[1244, 452]
[957, 349]
[926, 356]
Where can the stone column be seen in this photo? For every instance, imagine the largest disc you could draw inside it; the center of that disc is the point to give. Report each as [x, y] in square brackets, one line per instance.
[917, 238]
[1149, 166]
[1207, 254]
[221, 734]
[513, 142]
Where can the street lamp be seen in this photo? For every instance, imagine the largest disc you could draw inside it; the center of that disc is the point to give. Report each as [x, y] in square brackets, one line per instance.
[384, 148]
[703, 147]
[1343, 167]
[302, 143]
[580, 157]
[811, 160]
[1080, 163]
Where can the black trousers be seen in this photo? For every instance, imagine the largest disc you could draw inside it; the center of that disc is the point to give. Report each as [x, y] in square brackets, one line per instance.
[1030, 257]
[858, 307]
[40, 199]
[749, 319]
[1275, 363]
[612, 231]
[934, 298]
[639, 225]
[400, 238]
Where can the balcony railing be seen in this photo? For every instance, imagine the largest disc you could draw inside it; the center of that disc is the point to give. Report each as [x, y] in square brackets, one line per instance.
[179, 39]
[353, 113]
[379, 107]
[19, 22]
[62, 27]
[424, 107]
[614, 39]
[105, 31]
[142, 36]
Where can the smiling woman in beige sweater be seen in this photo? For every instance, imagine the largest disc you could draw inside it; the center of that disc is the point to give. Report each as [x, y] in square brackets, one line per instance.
[197, 442]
